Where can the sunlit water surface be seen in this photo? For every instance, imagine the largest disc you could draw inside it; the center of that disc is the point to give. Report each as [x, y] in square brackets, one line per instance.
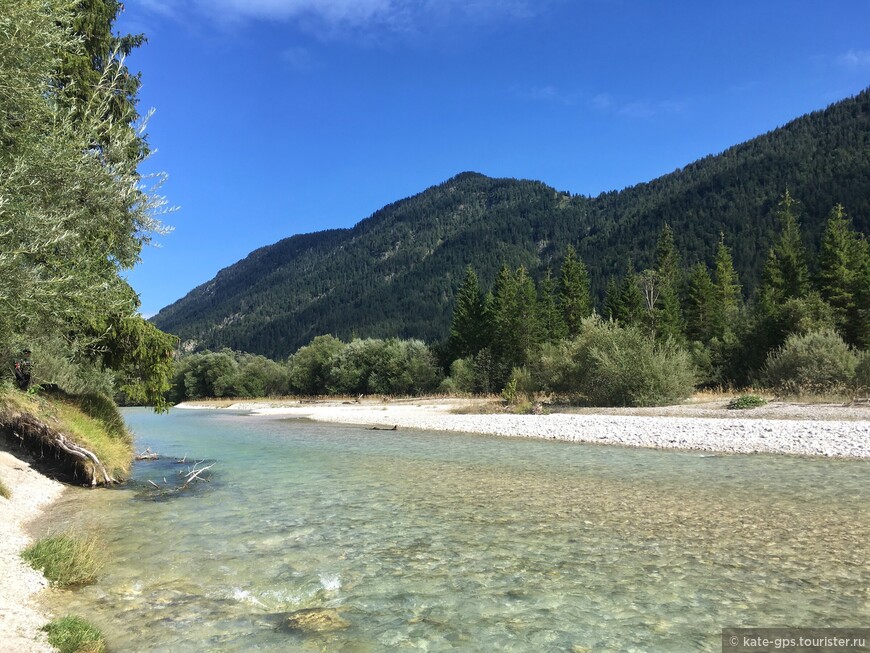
[442, 541]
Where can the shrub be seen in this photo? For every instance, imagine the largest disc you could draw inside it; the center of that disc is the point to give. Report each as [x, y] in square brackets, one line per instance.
[819, 361]
[65, 560]
[462, 375]
[862, 372]
[74, 635]
[744, 402]
[309, 367]
[611, 365]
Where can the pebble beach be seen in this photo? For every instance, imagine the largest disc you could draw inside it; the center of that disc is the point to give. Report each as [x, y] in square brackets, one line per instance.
[827, 430]
[21, 618]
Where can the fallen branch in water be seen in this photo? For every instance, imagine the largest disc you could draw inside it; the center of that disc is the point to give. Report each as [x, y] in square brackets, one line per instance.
[147, 455]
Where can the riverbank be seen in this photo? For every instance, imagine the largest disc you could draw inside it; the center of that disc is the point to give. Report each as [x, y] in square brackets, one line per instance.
[826, 430]
[21, 617]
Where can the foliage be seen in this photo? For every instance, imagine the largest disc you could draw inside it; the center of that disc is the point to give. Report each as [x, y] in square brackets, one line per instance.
[743, 402]
[71, 634]
[398, 271]
[396, 367]
[816, 362]
[66, 560]
[468, 323]
[862, 372]
[310, 366]
[74, 212]
[575, 299]
[612, 365]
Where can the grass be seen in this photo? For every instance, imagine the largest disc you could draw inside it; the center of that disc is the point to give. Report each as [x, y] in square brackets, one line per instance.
[66, 560]
[74, 635]
[4, 491]
[91, 421]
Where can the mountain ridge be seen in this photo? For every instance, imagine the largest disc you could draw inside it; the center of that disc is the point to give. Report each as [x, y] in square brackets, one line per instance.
[395, 272]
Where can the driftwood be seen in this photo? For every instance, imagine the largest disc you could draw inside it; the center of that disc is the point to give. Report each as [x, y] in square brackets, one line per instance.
[382, 428]
[147, 455]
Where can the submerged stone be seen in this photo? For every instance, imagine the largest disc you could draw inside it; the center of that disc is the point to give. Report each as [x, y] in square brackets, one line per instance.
[312, 620]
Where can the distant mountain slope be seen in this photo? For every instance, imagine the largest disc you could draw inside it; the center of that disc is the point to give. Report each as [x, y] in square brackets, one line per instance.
[395, 272]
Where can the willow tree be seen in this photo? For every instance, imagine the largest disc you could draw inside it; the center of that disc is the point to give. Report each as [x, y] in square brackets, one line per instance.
[73, 210]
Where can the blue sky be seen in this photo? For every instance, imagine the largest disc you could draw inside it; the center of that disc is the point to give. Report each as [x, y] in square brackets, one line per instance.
[277, 117]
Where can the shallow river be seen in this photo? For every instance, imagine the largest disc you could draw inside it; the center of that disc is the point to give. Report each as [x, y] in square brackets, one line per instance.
[313, 537]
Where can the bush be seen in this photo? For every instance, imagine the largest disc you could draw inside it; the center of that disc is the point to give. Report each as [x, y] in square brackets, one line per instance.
[65, 560]
[817, 362]
[862, 372]
[74, 635]
[744, 402]
[373, 366]
[611, 365]
[461, 377]
[310, 366]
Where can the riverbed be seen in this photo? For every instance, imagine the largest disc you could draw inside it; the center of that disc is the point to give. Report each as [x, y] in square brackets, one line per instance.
[323, 537]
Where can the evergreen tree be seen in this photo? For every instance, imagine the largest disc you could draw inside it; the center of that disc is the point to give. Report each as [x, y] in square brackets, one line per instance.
[668, 313]
[841, 259]
[786, 275]
[700, 301]
[550, 318]
[516, 329]
[613, 299]
[727, 292]
[574, 296]
[467, 327]
[631, 299]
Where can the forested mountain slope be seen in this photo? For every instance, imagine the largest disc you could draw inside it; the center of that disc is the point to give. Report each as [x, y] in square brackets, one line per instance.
[394, 273]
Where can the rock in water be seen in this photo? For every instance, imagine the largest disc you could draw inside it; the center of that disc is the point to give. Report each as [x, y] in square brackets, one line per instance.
[312, 620]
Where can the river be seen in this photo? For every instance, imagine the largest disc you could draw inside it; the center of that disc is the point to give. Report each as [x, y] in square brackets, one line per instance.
[318, 537]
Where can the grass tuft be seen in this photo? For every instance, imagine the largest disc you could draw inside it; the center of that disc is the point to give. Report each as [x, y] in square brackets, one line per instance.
[66, 560]
[74, 635]
[746, 401]
[4, 491]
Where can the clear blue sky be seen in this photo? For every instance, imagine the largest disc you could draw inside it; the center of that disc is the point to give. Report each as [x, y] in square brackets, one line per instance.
[277, 117]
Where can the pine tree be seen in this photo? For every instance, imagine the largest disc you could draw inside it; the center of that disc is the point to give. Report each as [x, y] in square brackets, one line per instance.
[550, 318]
[574, 296]
[700, 300]
[631, 298]
[467, 327]
[669, 321]
[726, 285]
[841, 261]
[786, 275]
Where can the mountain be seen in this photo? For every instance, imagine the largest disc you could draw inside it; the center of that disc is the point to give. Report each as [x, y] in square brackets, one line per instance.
[395, 273]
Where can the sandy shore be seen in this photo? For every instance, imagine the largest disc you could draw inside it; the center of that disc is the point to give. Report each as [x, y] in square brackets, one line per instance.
[20, 617]
[828, 430]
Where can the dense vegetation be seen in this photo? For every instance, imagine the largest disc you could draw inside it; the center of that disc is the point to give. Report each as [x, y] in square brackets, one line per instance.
[74, 211]
[660, 331]
[396, 273]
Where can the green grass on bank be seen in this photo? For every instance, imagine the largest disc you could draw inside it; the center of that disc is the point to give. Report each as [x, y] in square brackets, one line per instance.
[66, 560]
[72, 634]
[91, 421]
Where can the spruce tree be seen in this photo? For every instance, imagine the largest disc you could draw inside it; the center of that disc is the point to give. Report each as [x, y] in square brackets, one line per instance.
[669, 321]
[631, 298]
[786, 275]
[700, 300]
[467, 326]
[726, 284]
[574, 296]
[550, 318]
[842, 259]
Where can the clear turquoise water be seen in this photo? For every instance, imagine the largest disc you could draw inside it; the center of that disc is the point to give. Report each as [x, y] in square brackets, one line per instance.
[444, 541]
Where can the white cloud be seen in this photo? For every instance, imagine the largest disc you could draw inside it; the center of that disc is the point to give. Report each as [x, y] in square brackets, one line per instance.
[637, 108]
[855, 59]
[329, 17]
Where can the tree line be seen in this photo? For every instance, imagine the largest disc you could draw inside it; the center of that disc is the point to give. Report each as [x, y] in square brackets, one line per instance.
[658, 333]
